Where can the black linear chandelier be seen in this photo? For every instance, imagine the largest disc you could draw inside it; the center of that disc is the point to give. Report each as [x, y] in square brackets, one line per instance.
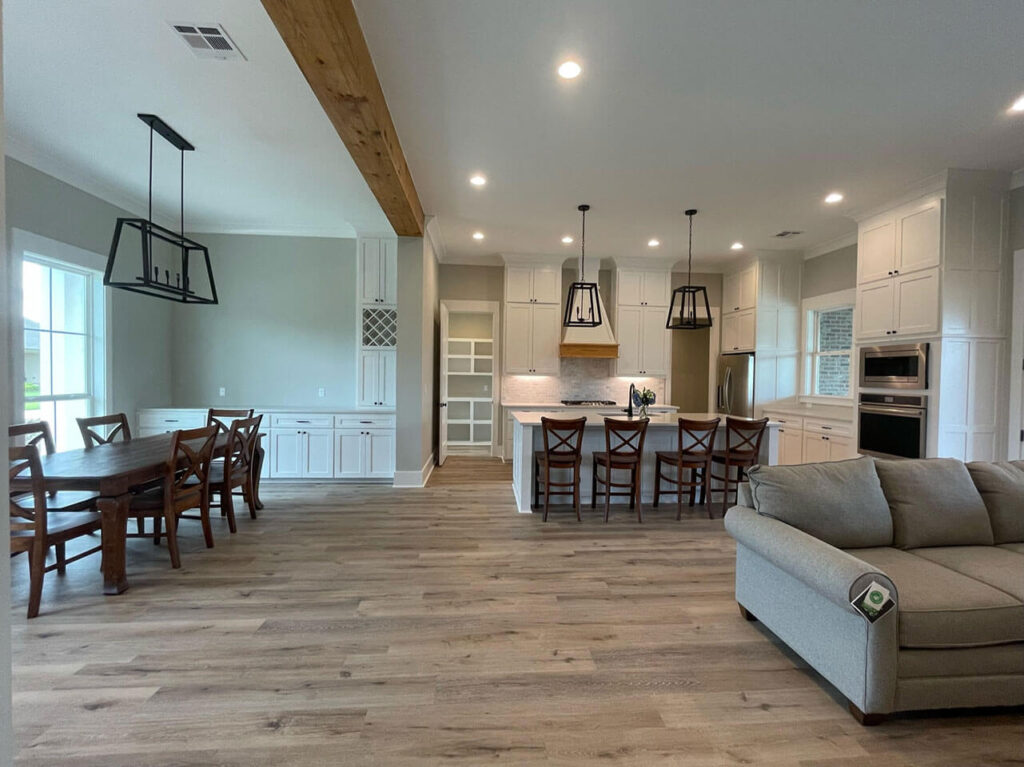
[150, 259]
[582, 306]
[690, 309]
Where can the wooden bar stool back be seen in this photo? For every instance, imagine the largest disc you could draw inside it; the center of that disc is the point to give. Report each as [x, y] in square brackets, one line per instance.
[34, 529]
[696, 446]
[93, 432]
[563, 449]
[624, 449]
[742, 448]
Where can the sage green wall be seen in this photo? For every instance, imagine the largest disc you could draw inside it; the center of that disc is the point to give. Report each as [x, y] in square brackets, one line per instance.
[1017, 219]
[285, 326]
[690, 352]
[830, 273]
[140, 335]
[471, 283]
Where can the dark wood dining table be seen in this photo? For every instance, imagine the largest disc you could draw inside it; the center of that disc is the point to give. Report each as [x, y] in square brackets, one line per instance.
[115, 471]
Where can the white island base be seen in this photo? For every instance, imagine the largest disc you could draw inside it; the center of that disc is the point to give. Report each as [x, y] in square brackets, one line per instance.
[662, 434]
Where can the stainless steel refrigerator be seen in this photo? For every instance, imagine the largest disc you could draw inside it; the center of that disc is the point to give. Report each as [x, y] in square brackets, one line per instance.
[736, 384]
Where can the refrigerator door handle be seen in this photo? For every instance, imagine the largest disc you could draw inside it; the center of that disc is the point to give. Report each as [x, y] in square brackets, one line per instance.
[727, 390]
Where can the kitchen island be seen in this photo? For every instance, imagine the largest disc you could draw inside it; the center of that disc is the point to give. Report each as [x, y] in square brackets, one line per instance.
[662, 434]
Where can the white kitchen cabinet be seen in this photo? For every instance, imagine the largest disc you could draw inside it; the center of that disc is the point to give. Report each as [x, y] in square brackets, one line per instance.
[377, 378]
[638, 287]
[876, 249]
[532, 337]
[875, 302]
[739, 332]
[791, 446]
[643, 341]
[532, 284]
[739, 290]
[816, 448]
[916, 303]
[302, 453]
[918, 236]
[364, 453]
[378, 271]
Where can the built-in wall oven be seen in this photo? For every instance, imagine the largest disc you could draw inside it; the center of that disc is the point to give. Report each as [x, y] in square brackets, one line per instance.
[893, 425]
[903, 366]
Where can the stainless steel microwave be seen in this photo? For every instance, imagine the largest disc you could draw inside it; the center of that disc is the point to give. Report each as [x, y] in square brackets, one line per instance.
[894, 367]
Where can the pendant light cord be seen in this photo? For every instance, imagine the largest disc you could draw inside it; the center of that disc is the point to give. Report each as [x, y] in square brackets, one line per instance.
[150, 216]
[583, 245]
[689, 265]
[182, 192]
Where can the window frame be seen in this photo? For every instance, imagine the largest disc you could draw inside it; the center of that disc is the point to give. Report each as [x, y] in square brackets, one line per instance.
[811, 310]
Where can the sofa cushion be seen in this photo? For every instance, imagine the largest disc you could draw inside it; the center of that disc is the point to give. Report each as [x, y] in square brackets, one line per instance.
[840, 503]
[934, 503]
[993, 566]
[1002, 488]
[961, 661]
[1018, 547]
[939, 607]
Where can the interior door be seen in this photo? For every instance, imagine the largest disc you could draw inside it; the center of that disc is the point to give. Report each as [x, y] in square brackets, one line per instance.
[442, 403]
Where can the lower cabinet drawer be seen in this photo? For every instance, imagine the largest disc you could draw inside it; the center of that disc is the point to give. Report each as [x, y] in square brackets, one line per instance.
[301, 421]
[837, 428]
[160, 421]
[367, 421]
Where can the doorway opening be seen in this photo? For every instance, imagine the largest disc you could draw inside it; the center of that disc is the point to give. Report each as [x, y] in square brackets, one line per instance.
[469, 383]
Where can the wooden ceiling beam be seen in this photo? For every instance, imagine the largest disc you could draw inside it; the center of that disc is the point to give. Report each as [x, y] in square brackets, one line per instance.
[327, 43]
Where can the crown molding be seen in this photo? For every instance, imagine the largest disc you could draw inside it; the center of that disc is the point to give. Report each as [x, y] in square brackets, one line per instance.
[295, 231]
[931, 185]
[432, 231]
[827, 247]
[535, 259]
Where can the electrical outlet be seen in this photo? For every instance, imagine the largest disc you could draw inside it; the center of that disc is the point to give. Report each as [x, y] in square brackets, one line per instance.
[223, 391]
[321, 392]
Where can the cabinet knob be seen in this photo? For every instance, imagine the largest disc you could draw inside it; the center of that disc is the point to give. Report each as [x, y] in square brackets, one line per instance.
[896, 271]
[890, 272]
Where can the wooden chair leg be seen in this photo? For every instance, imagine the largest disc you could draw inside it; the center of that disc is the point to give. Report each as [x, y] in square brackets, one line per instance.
[536, 483]
[632, 486]
[250, 496]
[157, 527]
[725, 490]
[679, 487]
[637, 482]
[705, 488]
[593, 485]
[228, 508]
[576, 477]
[547, 490]
[607, 492]
[140, 524]
[61, 551]
[36, 571]
[204, 517]
[657, 481]
[172, 539]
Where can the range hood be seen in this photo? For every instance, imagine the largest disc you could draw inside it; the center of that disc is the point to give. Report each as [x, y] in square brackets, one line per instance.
[597, 342]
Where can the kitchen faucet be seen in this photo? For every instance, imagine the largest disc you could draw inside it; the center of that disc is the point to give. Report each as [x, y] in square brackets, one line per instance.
[632, 391]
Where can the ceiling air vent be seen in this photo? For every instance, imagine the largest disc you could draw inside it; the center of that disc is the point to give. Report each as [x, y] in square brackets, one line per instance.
[788, 234]
[208, 41]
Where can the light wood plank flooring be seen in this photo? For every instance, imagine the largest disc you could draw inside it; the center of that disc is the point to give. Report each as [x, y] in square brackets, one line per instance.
[372, 626]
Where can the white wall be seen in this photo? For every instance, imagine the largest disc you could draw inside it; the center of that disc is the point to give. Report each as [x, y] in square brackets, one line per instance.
[286, 324]
[830, 273]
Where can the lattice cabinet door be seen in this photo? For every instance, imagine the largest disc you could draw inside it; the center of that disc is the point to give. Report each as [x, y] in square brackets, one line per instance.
[380, 328]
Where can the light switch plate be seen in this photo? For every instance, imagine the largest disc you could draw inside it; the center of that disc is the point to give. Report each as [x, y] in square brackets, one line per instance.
[321, 392]
[222, 391]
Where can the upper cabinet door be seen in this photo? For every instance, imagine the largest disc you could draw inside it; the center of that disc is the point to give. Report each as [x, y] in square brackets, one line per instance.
[876, 250]
[547, 285]
[745, 330]
[370, 271]
[748, 287]
[657, 289]
[369, 378]
[628, 332]
[547, 335]
[730, 333]
[919, 237]
[874, 309]
[731, 293]
[389, 271]
[519, 284]
[917, 303]
[387, 377]
[518, 318]
[629, 287]
[654, 340]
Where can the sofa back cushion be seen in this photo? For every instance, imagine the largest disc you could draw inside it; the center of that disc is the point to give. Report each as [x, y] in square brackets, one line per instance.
[840, 503]
[934, 503]
[1002, 488]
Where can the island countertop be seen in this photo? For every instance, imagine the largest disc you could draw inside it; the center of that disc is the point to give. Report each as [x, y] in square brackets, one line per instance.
[595, 418]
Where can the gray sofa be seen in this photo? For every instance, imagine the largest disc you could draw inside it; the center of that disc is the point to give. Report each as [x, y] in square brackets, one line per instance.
[947, 541]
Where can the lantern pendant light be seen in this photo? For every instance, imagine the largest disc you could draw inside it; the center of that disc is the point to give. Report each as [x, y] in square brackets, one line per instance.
[690, 308]
[582, 305]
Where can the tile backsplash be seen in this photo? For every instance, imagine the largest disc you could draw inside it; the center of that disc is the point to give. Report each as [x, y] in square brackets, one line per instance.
[579, 379]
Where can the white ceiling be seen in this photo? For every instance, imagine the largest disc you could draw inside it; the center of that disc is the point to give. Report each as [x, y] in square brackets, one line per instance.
[267, 161]
[750, 110]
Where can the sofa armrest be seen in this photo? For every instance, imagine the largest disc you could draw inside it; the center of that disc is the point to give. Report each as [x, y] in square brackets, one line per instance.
[832, 572]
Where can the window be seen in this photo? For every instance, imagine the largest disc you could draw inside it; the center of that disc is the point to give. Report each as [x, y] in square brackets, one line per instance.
[62, 307]
[830, 348]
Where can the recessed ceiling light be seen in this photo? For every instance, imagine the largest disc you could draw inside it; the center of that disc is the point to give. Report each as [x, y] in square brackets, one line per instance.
[569, 70]
[478, 179]
[567, 240]
[478, 235]
[653, 243]
[1018, 105]
[833, 197]
[736, 246]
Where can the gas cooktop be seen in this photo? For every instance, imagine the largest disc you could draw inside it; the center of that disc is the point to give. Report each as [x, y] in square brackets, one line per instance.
[588, 402]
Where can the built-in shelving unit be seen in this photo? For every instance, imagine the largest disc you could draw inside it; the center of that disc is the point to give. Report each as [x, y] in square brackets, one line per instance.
[470, 418]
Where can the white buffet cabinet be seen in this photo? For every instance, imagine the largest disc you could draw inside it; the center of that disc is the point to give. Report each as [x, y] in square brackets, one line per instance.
[321, 445]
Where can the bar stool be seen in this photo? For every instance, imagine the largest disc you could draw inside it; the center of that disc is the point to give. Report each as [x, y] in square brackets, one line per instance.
[742, 448]
[696, 445]
[624, 449]
[563, 449]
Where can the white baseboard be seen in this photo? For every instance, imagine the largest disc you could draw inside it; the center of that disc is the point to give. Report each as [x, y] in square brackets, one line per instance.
[415, 478]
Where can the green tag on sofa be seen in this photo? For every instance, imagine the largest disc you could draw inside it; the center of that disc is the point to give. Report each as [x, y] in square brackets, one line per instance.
[874, 601]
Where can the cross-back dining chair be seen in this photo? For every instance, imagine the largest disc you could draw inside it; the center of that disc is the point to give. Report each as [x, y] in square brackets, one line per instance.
[34, 529]
[222, 418]
[236, 470]
[696, 446]
[563, 449]
[185, 486]
[37, 434]
[94, 433]
[624, 449]
[742, 450]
